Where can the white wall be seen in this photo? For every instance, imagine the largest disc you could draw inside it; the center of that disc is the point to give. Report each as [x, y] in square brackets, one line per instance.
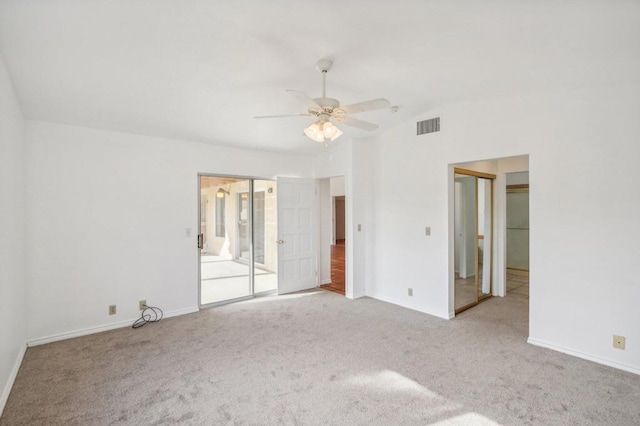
[337, 186]
[518, 178]
[581, 293]
[107, 214]
[360, 208]
[337, 191]
[12, 232]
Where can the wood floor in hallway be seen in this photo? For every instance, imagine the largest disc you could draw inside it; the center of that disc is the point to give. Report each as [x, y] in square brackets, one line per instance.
[337, 284]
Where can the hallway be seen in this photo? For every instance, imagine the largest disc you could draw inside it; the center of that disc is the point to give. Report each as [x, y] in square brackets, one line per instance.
[337, 284]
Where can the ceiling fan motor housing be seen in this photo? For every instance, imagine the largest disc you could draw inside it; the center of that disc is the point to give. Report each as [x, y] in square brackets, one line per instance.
[328, 106]
[327, 102]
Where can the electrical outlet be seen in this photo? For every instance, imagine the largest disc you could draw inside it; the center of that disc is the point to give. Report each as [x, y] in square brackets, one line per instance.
[618, 342]
[112, 309]
[142, 305]
[410, 291]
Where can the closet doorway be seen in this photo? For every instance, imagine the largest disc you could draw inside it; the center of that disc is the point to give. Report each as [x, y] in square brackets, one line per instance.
[473, 238]
[517, 235]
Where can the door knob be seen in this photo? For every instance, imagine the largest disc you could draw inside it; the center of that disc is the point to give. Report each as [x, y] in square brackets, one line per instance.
[280, 241]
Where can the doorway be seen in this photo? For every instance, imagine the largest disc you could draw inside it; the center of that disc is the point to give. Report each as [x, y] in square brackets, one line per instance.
[473, 238]
[517, 233]
[333, 235]
[237, 240]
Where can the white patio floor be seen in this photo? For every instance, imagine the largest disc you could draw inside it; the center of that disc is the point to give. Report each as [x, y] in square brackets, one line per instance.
[224, 279]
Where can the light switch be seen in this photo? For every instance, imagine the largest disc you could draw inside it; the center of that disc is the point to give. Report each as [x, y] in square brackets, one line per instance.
[187, 232]
[427, 231]
[359, 227]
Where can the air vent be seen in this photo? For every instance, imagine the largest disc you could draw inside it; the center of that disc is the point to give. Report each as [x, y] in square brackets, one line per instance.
[429, 126]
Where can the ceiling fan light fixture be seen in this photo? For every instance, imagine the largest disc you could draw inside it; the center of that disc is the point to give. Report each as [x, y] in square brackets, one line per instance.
[337, 135]
[329, 130]
[314, 131]
[320, 130]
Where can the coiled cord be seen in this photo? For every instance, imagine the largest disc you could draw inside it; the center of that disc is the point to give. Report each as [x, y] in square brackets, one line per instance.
[149, 314]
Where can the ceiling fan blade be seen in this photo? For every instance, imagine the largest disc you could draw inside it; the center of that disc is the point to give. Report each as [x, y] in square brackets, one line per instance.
[282, 115]
[304, 98]
[366, 106]
[354, 122]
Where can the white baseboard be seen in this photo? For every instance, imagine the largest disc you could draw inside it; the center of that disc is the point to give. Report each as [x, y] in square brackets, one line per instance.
[442, 315]
[12, 378]
[583, 355]
[359, 295]
[91, 330]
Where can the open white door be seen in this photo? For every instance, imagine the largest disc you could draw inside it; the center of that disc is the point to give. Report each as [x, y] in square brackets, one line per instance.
[297, 239]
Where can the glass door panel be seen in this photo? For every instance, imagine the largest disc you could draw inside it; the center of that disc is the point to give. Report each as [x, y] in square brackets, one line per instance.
[265, 234]
[473, 230]
[224, 273]
[485, 230]
[244, 240]
[465, 234]
[258, 227]
[202, 237]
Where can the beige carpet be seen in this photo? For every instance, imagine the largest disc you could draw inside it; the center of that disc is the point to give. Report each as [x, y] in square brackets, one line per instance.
[319, 358]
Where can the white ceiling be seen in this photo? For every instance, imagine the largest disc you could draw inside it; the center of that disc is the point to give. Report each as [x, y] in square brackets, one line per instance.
[200, 70]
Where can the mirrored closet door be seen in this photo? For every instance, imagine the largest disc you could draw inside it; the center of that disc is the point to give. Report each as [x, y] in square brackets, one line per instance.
[473, 242]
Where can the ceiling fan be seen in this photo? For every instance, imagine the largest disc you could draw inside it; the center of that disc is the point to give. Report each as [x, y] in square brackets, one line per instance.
[328, 111]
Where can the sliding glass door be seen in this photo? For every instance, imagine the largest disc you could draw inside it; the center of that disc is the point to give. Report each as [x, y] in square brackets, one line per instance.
[473, 230]
[265, 235]
[236, 258]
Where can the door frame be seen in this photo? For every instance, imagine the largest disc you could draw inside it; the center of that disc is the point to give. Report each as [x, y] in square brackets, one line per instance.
[349, 231]
[501, 166]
